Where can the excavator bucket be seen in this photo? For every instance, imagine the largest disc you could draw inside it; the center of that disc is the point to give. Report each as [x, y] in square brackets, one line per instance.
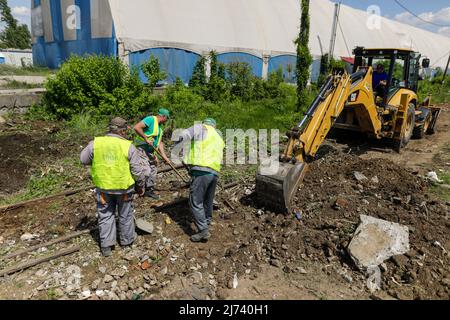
[435, 112]
[277, 191]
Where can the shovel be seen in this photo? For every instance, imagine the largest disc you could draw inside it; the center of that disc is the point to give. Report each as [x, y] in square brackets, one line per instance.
[173, 168]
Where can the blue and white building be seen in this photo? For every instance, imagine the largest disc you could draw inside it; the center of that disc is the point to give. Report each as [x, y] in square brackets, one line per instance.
[178, 32]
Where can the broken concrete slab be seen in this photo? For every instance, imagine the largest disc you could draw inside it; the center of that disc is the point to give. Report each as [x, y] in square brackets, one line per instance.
[377, 240]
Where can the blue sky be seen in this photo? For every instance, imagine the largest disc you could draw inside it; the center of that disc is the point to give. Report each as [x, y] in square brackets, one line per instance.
[435, 11]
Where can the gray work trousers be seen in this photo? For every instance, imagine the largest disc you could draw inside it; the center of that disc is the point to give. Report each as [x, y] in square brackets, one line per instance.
[150, 180]
[106, 210]
[201, 199]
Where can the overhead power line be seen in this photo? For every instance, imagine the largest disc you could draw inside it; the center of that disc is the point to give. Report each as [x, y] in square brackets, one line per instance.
[419, 17]
[345, 40]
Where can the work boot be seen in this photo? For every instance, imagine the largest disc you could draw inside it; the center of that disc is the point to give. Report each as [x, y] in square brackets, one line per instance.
[131, 245]
[151, 194]
[106, 251]
[202, 236]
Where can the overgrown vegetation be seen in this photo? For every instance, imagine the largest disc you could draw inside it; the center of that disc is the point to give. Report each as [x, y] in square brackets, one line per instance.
[39, 185]
[304, 58]
[14, 84]
[98, 85]
[152, 70]
[102, 86]
[9, 70]
[328, 66]
[440, 93]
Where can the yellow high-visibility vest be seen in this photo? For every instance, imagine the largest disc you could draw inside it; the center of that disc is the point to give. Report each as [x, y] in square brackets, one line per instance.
[110, 166]
[207, 153]
[156, 134]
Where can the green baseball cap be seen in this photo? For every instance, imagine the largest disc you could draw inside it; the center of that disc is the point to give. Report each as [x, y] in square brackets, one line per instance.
[210, 121]
[164, 113]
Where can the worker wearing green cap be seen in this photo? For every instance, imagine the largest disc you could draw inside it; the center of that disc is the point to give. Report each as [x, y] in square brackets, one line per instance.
[149, 138]
[204, 160]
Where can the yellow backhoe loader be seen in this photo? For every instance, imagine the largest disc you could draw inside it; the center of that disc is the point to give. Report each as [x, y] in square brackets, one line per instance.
[379, 105]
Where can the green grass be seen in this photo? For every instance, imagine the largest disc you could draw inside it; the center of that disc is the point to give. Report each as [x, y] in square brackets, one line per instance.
[51, 294]
[188, 107]
[52, 178]
[445, 177]
[20, 85]
[83, 126]
[442, 190]
[38, 186]
[8, 70]
[234, 173]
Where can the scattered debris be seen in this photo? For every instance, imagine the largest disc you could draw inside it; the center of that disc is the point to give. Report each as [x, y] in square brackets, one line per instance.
[29, 237]
[433, 177]
[360, 177]
[32, 263]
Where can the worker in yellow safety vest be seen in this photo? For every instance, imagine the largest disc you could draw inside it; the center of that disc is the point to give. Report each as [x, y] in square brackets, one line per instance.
[149, 137]
[117, 171]
[204, 159]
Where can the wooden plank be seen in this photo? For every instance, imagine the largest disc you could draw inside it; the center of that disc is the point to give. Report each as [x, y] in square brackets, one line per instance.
[47, 244]
[24, 203]
[35, 262]
[64, 194]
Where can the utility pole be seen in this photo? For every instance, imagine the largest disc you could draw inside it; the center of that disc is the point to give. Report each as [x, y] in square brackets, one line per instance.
[337, 9]
[320, 44]
[446, 70]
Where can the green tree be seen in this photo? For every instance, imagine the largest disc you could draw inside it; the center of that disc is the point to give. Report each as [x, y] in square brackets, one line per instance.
[289, 70]
[152, 71]
[239, 75]
[199, 73]
[96, 84]
[304, 58]
[14, 35]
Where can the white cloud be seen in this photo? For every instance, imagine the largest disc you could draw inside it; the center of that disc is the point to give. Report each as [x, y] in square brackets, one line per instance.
[21, 11]
[445, 31]
[441, 17]
[22, 14]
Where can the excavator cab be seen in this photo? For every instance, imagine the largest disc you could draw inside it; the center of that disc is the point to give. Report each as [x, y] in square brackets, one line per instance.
[350, 102]
[401, 67]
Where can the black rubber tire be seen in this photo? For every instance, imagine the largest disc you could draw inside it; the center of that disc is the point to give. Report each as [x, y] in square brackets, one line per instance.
[406, 136]
[420, 131]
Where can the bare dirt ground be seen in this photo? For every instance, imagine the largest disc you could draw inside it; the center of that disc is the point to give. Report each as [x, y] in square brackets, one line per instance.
[253, 253]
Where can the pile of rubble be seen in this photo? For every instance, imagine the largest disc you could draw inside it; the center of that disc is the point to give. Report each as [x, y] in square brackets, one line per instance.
[343, 192]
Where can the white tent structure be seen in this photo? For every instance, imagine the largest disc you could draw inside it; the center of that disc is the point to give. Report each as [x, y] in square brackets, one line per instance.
[260, 32]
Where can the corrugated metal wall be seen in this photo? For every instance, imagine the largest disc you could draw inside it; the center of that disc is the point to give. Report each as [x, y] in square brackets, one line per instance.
[65, 27]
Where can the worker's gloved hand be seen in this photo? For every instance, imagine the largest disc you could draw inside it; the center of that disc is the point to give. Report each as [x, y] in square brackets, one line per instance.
[149, 141]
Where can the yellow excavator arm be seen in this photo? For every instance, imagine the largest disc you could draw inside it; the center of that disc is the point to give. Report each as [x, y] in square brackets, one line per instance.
[309, 134]
[277, 191]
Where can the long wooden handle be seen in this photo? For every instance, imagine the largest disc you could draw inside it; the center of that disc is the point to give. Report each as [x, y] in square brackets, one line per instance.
[172, 166]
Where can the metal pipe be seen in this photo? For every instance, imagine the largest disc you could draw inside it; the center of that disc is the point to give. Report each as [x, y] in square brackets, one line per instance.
[337, 7]
[320, 97]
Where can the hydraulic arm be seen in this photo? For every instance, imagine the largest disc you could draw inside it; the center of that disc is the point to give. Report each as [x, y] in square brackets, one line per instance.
[277, 191]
